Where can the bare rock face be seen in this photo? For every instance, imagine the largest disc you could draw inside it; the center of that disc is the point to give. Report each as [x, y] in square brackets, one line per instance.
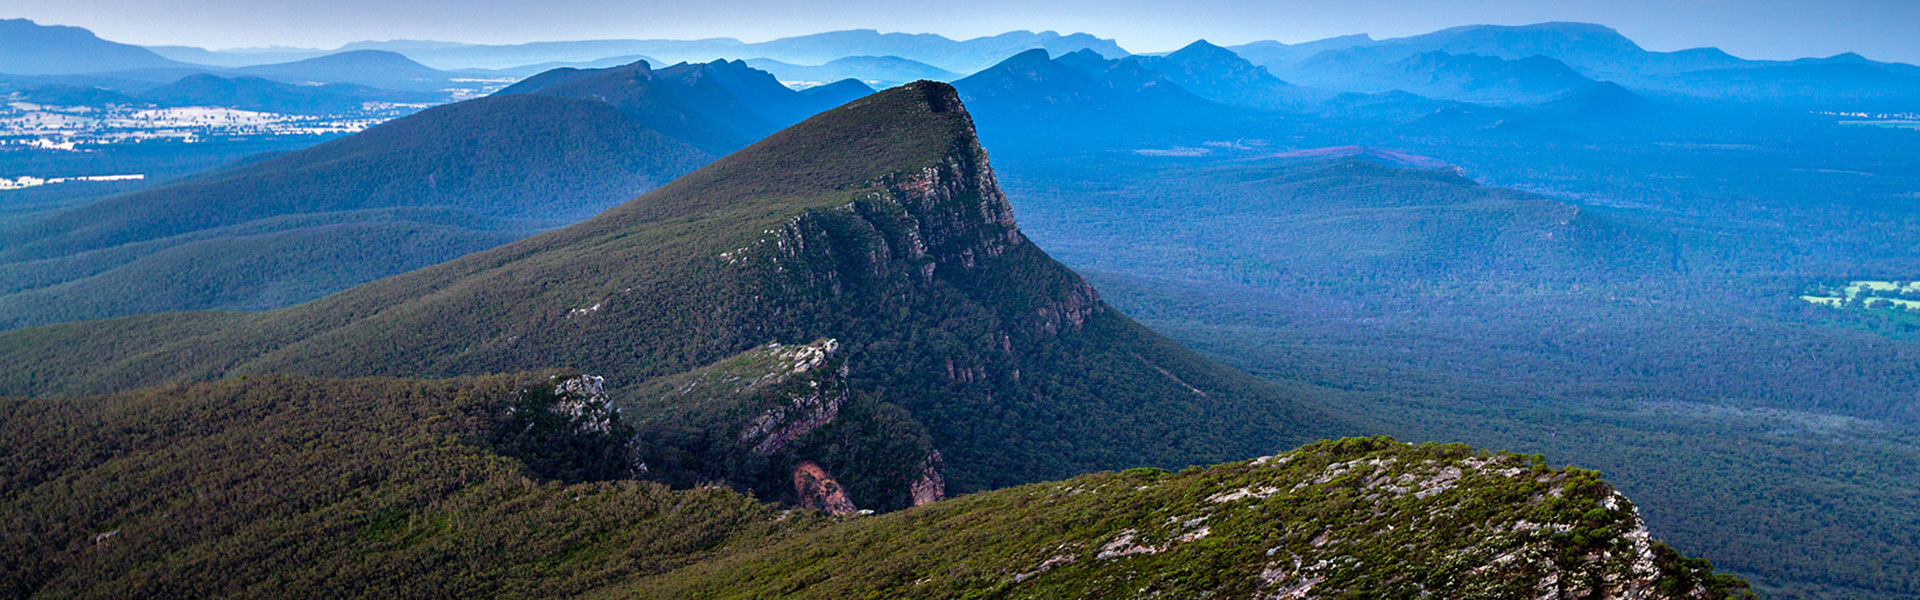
[817, 490]
[582, 400]
[931, 485]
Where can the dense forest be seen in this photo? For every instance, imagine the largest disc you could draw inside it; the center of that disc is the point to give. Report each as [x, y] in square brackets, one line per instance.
[488, 487]
[1673, 352]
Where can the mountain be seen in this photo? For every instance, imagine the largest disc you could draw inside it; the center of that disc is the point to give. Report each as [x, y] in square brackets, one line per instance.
[1033, 82]
[536, 69]
[717, 107]
[1032, 103]
[1830, 85]
[838, 92]
[373, 68]
[254, 93]
[485, 487]
[1438, 74]
[877, 224]
[415, 191]
[958, 56]
[1584, 51]
[1608, 101]
[29, 48]
[409, 193]
[244, 57]
[1267, 52]
[1220, 75]
[873, 70]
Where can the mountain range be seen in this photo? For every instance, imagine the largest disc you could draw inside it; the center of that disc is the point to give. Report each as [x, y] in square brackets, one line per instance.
[959, 56]
[409, 193]
[1497, 64]
[921, 348]
[28, 48]
[842, 316]
[886, 71]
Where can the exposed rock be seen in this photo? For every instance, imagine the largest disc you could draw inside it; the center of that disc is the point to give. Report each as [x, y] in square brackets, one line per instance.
[582, 399]
[931, 485]
[1071, 312]
[772, 431]
[817, 490]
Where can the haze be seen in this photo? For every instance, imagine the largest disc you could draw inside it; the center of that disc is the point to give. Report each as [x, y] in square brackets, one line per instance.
[1765, 29]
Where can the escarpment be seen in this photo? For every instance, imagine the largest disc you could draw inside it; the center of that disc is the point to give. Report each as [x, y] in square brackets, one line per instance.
[878, 224]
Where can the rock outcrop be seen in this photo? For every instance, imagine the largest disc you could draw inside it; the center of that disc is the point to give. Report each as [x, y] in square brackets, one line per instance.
[819, 491]
[930, 485]
[772, 431]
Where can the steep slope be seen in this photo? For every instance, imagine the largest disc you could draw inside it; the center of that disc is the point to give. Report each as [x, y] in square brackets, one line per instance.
[406, 194]
[509, 487]
[877, 224]
[28, 48]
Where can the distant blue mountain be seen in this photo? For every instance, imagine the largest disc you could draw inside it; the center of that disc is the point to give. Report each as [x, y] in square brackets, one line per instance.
[1266, 52]
[878, 71]
[375, 68]
[28, 48]
[1593, 51]
[1465, 77]
[956, 56]
[1034, 82]
[959, 56]
[717, 107]
[1221, 75]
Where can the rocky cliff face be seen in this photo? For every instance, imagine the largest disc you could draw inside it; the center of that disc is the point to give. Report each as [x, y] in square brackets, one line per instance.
[780, 420]
[818, 490]
[772, 431]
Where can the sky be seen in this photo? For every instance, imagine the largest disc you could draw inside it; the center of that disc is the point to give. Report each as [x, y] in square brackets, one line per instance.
[1765, 29]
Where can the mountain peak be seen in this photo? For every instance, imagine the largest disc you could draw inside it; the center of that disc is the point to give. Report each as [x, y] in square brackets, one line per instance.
[29, 48]
[1203, 50]
[1035, 56]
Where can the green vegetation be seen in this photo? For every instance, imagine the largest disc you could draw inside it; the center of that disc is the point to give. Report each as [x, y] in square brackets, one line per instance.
[388, 487]
[1895, 296]
[1359, 518]
[877, 224]
[372, 488]
[1441, 309]
[277, 231]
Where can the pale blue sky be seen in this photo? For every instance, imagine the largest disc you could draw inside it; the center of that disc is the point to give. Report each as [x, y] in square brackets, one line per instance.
[1883, 29]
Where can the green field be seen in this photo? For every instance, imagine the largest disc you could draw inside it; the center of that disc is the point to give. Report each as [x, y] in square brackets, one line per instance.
[1868, 293]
